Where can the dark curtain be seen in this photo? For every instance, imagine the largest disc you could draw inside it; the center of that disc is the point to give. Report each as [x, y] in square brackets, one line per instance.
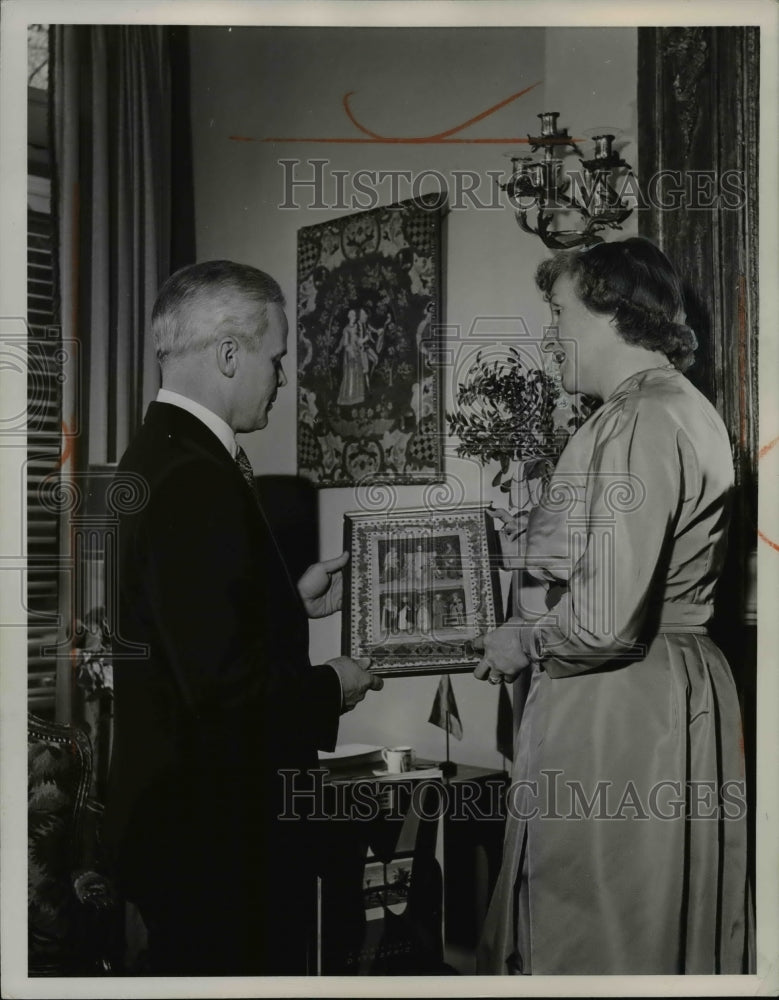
[123, 199]
[698, 115]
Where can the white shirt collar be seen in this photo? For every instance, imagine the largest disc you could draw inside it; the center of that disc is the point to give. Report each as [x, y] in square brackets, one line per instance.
[213, 422]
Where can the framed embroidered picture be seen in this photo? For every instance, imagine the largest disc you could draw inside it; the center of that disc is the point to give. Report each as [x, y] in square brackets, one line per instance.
[368, 316]
[419, 587]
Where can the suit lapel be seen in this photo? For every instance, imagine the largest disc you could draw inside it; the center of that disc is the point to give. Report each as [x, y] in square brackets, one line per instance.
[194, 436]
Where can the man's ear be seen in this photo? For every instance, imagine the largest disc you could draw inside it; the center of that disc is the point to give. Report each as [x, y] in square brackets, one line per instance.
[227, 356]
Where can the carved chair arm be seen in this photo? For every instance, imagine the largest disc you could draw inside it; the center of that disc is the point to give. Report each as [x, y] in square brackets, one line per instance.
[94, 890]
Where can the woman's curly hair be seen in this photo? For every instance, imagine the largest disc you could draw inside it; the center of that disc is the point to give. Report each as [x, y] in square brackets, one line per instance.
[635, 283]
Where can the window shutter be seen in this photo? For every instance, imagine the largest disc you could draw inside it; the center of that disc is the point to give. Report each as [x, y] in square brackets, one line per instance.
[44, 407]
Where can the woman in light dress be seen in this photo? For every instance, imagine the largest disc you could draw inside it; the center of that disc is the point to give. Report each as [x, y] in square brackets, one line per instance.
[352, 389]
[626, 840]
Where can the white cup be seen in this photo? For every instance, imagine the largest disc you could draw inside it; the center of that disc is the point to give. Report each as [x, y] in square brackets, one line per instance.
[398, 759]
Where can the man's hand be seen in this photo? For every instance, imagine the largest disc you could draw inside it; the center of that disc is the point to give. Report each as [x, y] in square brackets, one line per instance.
[321, 586]
[356, 679]
[503, 656]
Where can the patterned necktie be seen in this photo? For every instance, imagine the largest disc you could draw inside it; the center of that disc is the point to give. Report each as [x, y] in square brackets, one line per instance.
[245, 466]
[247, 472]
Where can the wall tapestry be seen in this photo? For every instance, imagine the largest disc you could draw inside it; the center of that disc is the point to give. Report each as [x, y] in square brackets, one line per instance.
[368, 321]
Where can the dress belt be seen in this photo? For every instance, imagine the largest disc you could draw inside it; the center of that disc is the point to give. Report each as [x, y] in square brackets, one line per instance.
[696, 629]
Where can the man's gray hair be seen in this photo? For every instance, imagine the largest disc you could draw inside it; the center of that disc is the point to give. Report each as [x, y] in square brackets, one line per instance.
[179, 319]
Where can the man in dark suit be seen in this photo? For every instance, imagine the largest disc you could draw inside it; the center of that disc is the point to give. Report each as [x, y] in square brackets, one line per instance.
[214, 690]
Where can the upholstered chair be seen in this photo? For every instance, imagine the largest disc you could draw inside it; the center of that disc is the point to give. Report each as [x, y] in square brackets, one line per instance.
[74, 925]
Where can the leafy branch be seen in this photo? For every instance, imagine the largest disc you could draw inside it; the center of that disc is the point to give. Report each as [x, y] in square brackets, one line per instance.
[506, 414]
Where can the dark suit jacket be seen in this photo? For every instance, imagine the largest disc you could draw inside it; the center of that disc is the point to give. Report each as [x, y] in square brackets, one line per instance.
[226, 694]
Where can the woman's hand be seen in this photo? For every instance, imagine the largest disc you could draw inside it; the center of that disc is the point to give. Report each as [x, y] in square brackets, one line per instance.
[512, 524]
[321, 586]
[503, 656]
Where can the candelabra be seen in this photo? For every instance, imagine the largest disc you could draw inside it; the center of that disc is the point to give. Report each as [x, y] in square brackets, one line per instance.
[540, 186]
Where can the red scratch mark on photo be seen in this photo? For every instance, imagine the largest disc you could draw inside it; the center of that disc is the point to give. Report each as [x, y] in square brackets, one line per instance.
[761, 454]
[767, 540]
[437, 136]
[444, 137]
[767, 447]
[67, 449]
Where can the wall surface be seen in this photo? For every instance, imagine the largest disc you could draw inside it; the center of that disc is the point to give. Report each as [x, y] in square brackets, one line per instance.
[256, 83]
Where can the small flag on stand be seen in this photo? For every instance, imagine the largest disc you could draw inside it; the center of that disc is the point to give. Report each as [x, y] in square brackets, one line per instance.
[445, 715]
[444, 712]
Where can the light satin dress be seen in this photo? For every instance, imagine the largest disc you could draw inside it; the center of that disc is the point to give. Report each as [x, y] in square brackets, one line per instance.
[632, 720]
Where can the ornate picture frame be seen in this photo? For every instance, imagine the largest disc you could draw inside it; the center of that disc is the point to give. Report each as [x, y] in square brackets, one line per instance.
[419, 587]
[368, 316]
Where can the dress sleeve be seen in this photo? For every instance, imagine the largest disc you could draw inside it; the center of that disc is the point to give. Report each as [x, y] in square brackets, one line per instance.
[618, 546]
